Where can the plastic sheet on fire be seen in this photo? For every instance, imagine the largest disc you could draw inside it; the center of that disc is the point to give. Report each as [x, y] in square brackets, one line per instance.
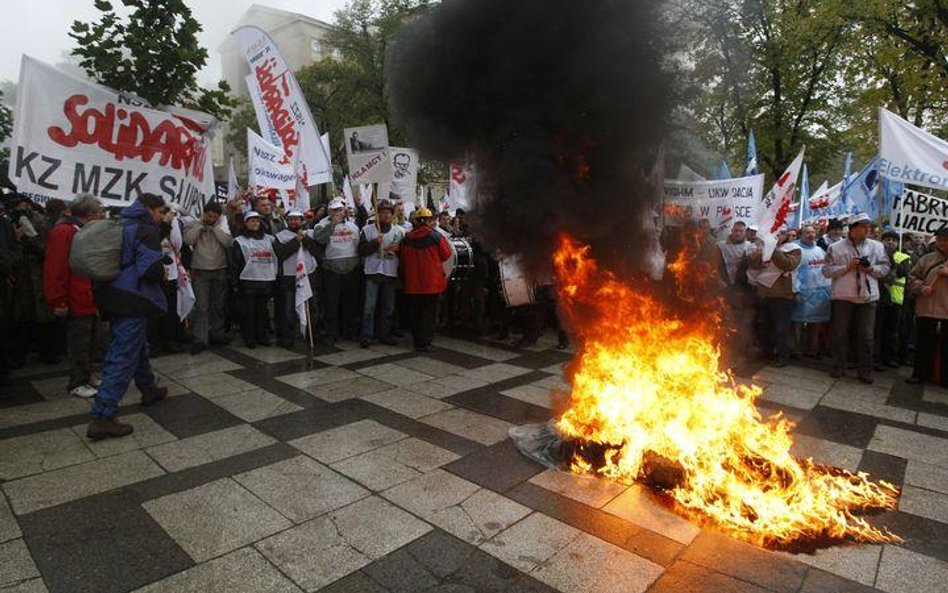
[540, 442]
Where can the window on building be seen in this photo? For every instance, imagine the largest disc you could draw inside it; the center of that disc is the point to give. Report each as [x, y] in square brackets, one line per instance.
[316, 46]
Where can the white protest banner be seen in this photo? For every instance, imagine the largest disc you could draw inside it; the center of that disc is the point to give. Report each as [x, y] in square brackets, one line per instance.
[367, 153]
[462, 189]
[269, 168]
[723, 202]
[910, 154]
[232, 186]
[325, 176]
[776, 204]
[282, 100]
[263, 122]
[72, 137]
[915, 212]
[404, 173]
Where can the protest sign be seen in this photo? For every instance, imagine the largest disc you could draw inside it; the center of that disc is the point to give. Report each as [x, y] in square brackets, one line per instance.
[915, 212]
[367, 153]
[404, 173]
[275, 91]
[910, 154]
[722, 202]
[269, 167]
[72, 137]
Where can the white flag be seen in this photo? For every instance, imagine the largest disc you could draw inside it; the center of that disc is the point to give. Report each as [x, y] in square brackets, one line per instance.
[347, 192]
[186, 298]
[269, 167]
[775, 206]
[303, 290]
[282, 100]
[462, 191]
[910, 154]
[365, 192]
[232, 186]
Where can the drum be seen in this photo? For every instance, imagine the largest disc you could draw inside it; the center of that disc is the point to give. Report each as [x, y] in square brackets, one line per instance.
[514, 285]
[463, 258]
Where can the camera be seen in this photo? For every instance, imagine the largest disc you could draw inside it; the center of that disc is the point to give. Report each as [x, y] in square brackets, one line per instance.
[864, 262]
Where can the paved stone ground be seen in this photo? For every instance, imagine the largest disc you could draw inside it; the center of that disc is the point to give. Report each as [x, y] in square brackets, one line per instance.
[382, 470]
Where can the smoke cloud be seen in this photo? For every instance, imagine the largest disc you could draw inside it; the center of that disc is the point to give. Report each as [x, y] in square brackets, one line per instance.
[562, 104]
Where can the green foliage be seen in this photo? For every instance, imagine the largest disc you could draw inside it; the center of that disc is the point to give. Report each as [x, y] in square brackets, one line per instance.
[6, 127]
[814, 73]
[154, 54]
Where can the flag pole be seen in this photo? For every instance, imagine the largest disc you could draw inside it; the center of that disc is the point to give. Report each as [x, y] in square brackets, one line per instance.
[309, 328]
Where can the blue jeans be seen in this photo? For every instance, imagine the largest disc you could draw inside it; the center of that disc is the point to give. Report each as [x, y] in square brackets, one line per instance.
[779, 312]
[127, 359]
[378, 290]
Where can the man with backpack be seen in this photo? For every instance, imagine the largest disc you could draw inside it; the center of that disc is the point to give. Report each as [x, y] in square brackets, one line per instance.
[69, 295]
[130, 301]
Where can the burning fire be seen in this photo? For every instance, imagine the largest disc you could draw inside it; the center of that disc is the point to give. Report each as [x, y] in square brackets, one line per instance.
[650, 402]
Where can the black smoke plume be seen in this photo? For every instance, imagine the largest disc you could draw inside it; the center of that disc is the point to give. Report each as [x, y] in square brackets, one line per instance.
[562, 104]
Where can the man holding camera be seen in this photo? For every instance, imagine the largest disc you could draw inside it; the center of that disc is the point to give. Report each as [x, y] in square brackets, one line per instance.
[855, 265]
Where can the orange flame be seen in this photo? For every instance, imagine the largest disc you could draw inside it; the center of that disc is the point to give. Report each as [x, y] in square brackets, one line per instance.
[648, 382]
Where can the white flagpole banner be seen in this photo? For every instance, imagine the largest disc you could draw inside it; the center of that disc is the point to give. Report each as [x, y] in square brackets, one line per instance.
[304, 291]
[280, 95]
[910, 154]
[367, 153]
[404, 173]
[325, 176]
[776, 205]
[347, 192]
[723, 202]
[232, 186]
[72, 137]
[915, 212]
[269, 167]
[462, 189]
[263, 121]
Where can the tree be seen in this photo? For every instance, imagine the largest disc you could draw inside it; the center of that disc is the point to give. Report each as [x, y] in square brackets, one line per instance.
[154, 54]
[6, 126]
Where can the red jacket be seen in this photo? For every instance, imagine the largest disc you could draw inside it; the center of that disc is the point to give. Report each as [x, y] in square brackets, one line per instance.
[61, 287]
[421, 254]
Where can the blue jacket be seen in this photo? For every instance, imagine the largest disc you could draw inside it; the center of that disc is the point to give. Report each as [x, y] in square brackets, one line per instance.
[137, 290]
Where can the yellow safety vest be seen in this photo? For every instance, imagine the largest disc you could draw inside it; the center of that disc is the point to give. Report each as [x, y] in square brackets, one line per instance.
[897, 290]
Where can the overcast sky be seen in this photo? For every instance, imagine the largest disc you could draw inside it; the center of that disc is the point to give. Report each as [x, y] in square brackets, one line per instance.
[39, 27]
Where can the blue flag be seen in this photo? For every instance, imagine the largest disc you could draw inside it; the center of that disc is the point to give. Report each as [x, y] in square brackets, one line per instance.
[862, 191]
[723, 171]
[847, 171]
[804, 198]
[752, 168]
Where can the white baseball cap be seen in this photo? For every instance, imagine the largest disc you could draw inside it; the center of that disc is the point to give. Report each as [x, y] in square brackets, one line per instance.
[753, 227]
[295, 213]
[251, 214]
[857, 218]
[336, 203]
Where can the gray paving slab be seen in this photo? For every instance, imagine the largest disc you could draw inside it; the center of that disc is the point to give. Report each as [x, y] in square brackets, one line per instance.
[403, 401]
[70, 483]
[313, 554]
[375, 527]
[345, 389]
[857, 563]
[910, 445]
[745, 561]
[42, 411]
[148, 433]
[393, 464]
[9, 528]
[432, 492]
[826, 452]
[269, 354]
[792, 395]
[42, 451]
[640, 506]
[397, 375]
[185, 366]
[470, 425]
[479, 517]
[339, 443]
[589, 490]
[242, 571]
[443, 387]
[472, 349]
[30, 586]
[209, 447]
[532, 394]
[924, 503]
[430, 366]
[684, 577]
[215, 518]
[530, 542]
[933, 421]
[301, 488]
[905, 571]
[925, 475]
[216, 385]
[256, 404]
[350, 356]
[589, 565]
[16, 564]
[494, 373]
[308, 379]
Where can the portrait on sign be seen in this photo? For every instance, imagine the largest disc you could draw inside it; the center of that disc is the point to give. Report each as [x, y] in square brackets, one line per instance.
[368, 154]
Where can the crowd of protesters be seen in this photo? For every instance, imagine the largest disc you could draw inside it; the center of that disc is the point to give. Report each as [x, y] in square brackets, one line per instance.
[859, 295]
[862, 297]
[375, 275]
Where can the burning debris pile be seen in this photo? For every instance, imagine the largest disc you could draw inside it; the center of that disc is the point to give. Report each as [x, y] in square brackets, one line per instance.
[650, 403]
[563, 105]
